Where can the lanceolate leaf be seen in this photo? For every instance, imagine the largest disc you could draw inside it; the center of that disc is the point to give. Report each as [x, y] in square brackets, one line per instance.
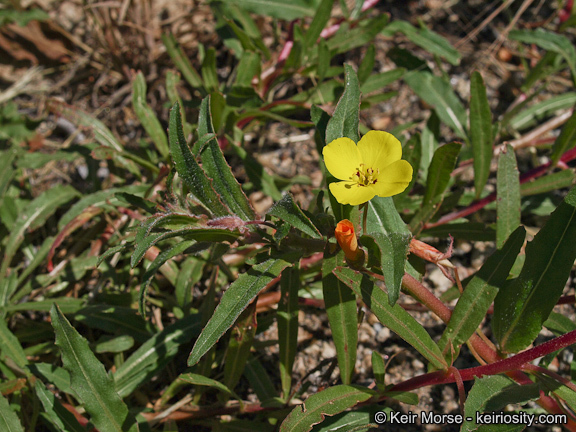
[287, 318]
[94, 388]
[385, 226]
[189, 170]
[318, 23]
[508, 196]
[438, 93]
[566, 140]
[153, 356]
[342, 314]
[521, 308]
[479, 295]
[393, 317]
[279, 8]
[287, 210]
[548, 183]
[10, 346]
[233, 302]
[9, 421]
[33, 216]
[216, 167]
[551, 42]
[480, 131]
[344, 122]
[59, 415]
[147, 116]
[328, 402]
[441, 167]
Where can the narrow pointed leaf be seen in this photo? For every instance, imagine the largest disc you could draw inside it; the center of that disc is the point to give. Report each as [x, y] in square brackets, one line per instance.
[287, 318]
[549, 41]
[189, 170]
[537, 113]
[10, 346]
[344, 122]
[547, 183]
[182, 62]
[147, 116]
[215, 166]
[196, 379]
[278, 8]
[508, 196]
[288, 211]
[235, 299]
[9, 421]
[342, 313]
[521, 308]
[320, 20]
[566, 140]
[441, 167]
[439, 93]
[329, 402]
[478, 296]
[480, 132]
[89, 380]
[33, 216]
[153, 356]
[58, 415]
[393, 317]
[385, 226]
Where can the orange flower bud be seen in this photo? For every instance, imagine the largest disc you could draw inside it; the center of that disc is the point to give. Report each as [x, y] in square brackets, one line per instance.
[348, 242]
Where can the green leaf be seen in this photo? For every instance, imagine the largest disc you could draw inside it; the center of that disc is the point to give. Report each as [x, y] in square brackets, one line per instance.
[549, 41]
[508, 196]
[480, 132]
[342, 313]
[93, 387]
[358, 420]
[427, 39]
[216, 168]
[9, 421]
[476, 231]
[153, 356]
[492, 394]
[521, 309]
[147, 116]
[288, 211]
[155, 265]
[189, 170]
[196, 379]
[547, 183]
[478, 296]
[346, 39]
[439, 172]
[235, 299]
[438, 93]
[114, 319]
[10, 346]
[102, 134]
[53, 409]
[566, 140]
[239, 346]
[344, 121]
[182, 62]
[376, 82]
[393, 317]
[321, 18]
[537, 113]
[260, 380]
[279, 8]
[208, 71]
[385, 226]
[287, 319]
[33, 216]
[329, 402]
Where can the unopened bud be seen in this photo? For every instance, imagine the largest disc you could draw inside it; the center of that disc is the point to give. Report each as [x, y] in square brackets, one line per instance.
[347, 240]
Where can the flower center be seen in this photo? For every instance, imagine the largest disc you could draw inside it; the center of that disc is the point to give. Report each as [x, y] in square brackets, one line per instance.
[365, 176]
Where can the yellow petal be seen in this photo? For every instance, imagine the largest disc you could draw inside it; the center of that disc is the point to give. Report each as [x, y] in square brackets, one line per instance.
[379, 149]
[393, 179]
[351, 193]
[342, 158]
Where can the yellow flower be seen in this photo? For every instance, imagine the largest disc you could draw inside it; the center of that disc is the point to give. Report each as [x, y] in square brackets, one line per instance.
[373, 167]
